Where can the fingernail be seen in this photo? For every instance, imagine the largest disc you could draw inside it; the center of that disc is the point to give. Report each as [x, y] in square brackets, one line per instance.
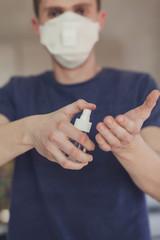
[93, 147]
[121, 119]
[109, 121]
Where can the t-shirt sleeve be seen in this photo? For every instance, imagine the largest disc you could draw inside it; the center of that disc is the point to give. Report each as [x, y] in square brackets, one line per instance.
[7, 106]
[147, 86]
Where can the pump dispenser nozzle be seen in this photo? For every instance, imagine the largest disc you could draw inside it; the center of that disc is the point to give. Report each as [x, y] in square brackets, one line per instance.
[83, 123]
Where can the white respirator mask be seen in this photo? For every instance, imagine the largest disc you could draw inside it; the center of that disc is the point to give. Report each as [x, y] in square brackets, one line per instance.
[70, 38]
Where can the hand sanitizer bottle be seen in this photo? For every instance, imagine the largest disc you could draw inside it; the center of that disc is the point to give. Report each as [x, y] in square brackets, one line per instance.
[83, 123]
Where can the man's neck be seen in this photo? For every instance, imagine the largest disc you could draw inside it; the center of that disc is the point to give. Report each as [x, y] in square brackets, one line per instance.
[81, 74]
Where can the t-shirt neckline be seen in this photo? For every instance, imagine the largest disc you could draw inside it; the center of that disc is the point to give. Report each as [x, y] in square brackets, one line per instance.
[75, 85]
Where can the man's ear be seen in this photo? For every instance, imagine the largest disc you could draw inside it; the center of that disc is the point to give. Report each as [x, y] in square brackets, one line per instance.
[35, 26]
[102, 18]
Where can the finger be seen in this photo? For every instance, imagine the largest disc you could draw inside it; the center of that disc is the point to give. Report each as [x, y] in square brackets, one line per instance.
[75, 134]
[75, 153]
[146, 108]
[68, 164]
[117, 130]
[128, 124]
[77, 107]
[57, 156]
[60, 140]
[102, 143]
[112, 140]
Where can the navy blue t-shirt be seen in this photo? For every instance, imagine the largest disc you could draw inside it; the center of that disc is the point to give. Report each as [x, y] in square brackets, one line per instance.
[98, 202]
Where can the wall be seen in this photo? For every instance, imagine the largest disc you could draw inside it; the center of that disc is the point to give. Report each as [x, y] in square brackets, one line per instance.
[130, 38]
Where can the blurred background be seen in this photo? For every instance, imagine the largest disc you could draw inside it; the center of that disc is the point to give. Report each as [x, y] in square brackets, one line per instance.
[130, 40]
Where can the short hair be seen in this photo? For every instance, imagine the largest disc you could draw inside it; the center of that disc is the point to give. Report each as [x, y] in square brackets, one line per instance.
[36, 4]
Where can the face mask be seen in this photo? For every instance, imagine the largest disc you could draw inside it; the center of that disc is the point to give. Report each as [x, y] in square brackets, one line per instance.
[70, 38]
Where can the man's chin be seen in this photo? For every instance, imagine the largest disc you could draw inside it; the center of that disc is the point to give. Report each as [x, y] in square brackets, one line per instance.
[62, 66]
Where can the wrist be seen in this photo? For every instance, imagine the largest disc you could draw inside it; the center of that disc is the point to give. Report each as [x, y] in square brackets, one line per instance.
[29, 125]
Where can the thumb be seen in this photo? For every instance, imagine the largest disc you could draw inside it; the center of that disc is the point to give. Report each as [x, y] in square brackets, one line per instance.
[76, 107]
[146, 108]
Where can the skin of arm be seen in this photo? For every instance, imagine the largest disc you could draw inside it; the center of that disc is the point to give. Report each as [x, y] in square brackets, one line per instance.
[11, 135]
[49, 134]
[137, 150]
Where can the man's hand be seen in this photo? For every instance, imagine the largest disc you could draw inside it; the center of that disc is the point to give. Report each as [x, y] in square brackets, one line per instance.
[120, 135]
[50, 135]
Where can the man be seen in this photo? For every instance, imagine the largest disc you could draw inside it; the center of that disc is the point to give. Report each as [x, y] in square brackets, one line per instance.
[104, 199]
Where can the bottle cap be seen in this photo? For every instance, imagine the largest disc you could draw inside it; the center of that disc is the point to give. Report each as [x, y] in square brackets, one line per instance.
[83, 123]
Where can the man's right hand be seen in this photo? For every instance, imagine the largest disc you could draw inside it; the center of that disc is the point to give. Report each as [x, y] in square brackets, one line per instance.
[50, 135]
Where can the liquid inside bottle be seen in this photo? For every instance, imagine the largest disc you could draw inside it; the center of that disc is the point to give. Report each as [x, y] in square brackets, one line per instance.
[79, 146]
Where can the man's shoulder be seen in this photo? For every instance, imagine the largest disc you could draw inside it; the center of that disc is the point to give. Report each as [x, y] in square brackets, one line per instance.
[126, 74]
[128, 78]
[30, 79]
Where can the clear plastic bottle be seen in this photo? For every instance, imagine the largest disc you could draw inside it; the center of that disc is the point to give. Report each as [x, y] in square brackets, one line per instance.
[83, 123]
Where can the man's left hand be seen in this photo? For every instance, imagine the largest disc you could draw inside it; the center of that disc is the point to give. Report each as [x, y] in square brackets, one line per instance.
[120, 134]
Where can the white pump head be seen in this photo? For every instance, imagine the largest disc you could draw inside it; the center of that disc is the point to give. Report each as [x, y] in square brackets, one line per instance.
[83, 123]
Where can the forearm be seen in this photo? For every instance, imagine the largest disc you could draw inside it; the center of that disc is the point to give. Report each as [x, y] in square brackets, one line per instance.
[13, 140]
[143, 165]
